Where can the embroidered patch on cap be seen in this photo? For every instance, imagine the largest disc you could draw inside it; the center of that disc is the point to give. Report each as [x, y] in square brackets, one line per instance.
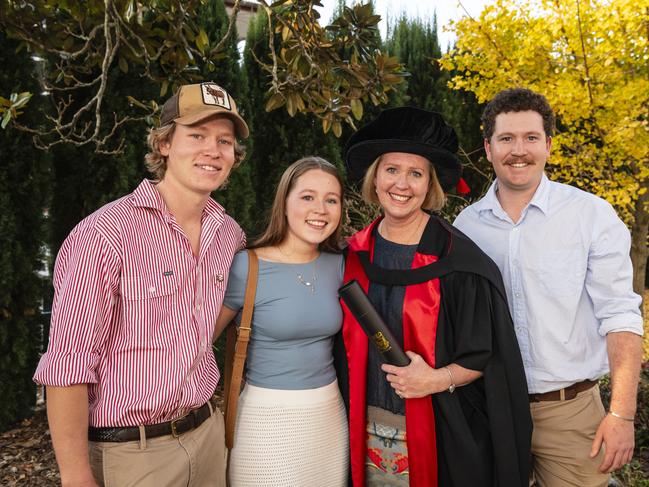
[213, 94]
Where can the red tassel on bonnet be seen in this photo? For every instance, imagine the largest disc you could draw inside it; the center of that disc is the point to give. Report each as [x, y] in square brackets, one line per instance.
[462, 187]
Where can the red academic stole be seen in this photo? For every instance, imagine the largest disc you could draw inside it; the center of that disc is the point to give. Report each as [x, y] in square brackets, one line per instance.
[419, 334]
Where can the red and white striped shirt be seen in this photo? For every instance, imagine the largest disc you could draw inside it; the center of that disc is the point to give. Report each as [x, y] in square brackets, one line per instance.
[134, 310]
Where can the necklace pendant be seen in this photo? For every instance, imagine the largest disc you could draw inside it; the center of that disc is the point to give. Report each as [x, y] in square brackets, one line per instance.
[310, 285]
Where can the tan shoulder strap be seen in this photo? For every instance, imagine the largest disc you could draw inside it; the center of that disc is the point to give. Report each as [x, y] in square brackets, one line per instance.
[237, 349]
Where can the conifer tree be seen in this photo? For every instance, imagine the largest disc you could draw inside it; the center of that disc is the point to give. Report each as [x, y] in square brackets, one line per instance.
[82, 180]
[238, 196]
[415, 43]
[23, 197]
[370, 111]
[279, 140]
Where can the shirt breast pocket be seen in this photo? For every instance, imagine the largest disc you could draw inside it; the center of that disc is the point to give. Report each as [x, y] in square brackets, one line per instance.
[151, 314]
[562, 272]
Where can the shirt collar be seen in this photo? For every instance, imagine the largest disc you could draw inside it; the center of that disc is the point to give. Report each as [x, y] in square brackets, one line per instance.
[214, 210]
[147, 196]
[490, 201]
[541, 195]
[540, 199]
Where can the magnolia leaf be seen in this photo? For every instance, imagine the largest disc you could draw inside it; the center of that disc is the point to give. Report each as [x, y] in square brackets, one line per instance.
[123, 65]
[22, 99]
[275, 102]
[298, 101]
[290, 105]
[5, 119]
[357, 108]
[137, 103]
[202, 40]
[326, 125]
[129, 10]
[337, 128]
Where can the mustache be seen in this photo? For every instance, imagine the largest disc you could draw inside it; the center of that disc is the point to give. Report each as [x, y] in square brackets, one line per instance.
[518, 160]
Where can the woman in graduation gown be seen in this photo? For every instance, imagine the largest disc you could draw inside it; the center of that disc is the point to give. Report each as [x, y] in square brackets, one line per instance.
[458, 414]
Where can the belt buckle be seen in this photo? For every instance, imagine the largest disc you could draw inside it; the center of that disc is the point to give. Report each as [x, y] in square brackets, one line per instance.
[174, 431]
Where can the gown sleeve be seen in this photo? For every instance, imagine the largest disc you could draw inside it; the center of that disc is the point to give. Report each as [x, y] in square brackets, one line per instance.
[486, 423]
[467, 308]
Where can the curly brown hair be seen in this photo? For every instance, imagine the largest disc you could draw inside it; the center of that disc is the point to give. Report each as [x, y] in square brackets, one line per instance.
[517, 100]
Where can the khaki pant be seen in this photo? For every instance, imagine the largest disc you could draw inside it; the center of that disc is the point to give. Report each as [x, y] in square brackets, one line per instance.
[194, 459]
[562, 439]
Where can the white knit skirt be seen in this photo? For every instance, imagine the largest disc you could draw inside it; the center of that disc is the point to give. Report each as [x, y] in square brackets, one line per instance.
[289, 438]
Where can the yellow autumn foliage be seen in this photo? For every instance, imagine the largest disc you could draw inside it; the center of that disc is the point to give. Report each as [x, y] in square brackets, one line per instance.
[590, 58]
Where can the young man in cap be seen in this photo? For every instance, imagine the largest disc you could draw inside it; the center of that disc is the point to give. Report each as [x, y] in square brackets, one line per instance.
[564, 257]
[138, 285]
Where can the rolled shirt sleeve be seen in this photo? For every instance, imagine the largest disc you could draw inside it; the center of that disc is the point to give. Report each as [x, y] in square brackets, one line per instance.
[609, 276]
[568, 277]
[85, 290]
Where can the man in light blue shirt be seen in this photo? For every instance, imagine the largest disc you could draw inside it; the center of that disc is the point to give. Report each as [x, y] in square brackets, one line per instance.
[564, 257]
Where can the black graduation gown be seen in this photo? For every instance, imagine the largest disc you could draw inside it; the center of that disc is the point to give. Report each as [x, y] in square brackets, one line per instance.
[483, 430]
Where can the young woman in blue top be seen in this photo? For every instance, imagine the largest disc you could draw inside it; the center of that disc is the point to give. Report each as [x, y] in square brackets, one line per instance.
[291, 426]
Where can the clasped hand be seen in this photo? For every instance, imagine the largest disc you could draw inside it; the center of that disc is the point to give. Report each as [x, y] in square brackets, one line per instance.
[417, 379]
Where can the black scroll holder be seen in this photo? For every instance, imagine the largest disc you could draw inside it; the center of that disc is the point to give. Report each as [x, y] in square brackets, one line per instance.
[372, 324]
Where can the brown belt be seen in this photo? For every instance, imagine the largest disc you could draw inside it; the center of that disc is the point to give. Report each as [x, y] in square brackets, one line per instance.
[193, 419]
[569, 392]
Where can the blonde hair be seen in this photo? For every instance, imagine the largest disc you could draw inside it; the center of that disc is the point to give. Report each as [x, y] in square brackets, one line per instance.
[435, 197]
[277, 228]
[156, 163]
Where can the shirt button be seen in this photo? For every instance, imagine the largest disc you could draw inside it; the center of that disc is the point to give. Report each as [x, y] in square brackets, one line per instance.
[152, 290]
[198, 307]
[518, 295]
[219, 278]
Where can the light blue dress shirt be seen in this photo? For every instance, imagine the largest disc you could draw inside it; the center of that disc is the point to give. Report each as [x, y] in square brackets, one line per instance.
[568, 278]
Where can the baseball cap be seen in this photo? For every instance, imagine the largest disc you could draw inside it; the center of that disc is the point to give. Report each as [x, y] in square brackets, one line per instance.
[193, 103]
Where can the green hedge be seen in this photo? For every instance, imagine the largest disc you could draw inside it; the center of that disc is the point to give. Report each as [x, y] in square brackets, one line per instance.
[23, 184]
